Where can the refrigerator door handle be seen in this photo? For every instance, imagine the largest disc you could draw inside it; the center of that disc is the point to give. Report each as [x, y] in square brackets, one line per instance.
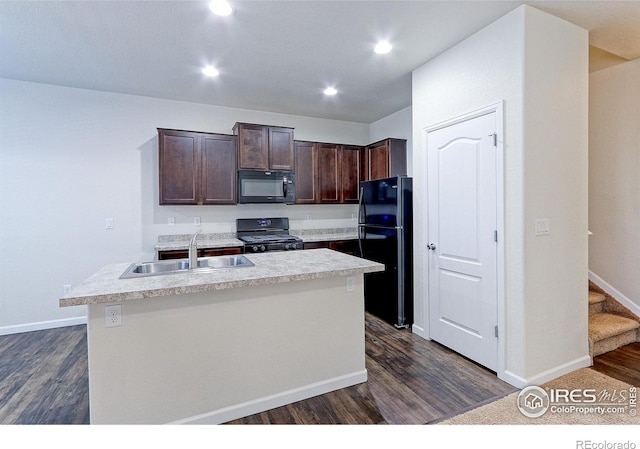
[362, 234]
[377, 226]
[362, 208]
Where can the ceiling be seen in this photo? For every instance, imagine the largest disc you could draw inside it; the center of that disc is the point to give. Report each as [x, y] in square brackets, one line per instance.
[273, 56]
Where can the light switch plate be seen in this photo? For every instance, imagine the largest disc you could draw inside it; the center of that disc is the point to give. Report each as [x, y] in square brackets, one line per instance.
[542, 226]
[351, 284]
[171, 221]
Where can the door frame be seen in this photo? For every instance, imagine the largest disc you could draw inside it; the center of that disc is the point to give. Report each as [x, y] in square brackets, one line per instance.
[498, 109]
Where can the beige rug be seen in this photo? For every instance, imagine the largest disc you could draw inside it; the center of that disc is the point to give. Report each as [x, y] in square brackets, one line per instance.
[608, 392]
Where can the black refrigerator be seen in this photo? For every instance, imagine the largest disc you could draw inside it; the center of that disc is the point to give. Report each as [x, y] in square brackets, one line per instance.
[385, 235]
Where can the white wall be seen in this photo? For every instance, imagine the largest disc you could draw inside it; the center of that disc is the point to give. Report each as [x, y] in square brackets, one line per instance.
[556, 145]
[614, 184]
[536, 65]
[69, 158]
[398, 125]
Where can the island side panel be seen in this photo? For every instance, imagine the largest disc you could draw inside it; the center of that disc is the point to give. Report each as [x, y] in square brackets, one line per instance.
[215, 356]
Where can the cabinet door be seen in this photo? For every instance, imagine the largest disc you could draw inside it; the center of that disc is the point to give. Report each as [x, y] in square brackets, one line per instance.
[364, 164]
[204, 252]
[384, 159]
[212, 252]
[306, 169]
[350, 170]
[397, 157]
[329, 173]
[281, 149]
[219, 173]
[378, 161]
[252, 146]
[315, 245]
[344, 246]
[178, 163]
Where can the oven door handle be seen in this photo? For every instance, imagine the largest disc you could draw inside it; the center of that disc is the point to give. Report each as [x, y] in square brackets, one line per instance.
[284, 187]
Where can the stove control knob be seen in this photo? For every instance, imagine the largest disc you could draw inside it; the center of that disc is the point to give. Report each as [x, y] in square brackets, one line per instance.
[262, 247]
[254, 248]
[287, 246]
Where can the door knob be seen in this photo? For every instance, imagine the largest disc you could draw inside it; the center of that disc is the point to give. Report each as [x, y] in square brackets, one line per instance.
[431, 246]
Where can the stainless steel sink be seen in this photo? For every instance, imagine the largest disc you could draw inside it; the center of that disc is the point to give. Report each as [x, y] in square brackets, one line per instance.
[224, 262]
[205, 264]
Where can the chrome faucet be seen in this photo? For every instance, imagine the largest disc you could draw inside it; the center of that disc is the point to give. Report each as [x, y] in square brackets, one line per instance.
[193, 251]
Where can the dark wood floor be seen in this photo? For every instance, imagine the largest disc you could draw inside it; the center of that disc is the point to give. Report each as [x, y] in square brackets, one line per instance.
[43, 377]
[43, 380]
[622, 364]
[411, 381]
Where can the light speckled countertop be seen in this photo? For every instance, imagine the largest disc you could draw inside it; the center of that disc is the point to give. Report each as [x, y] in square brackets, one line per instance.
[228, 240]
[270, 268]
[209, 242]
[326, 235]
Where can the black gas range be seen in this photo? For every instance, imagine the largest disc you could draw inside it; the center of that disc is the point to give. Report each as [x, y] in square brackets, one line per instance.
[266, 234]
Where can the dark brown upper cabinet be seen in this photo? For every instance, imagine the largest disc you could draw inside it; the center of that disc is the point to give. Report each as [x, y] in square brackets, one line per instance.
[306, 169]
[197, 168]
[350, 169]
[384, 159]
[262, 147]
[338, 173]
[328, 173]
[219, 169]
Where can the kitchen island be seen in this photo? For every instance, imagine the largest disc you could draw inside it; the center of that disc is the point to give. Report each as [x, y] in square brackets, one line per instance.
[209, 347]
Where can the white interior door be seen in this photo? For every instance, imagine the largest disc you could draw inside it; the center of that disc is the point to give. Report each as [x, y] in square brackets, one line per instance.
[462, 232]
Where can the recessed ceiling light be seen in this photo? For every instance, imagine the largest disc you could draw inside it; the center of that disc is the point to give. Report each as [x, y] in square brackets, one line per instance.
[210, 71]
[382, 47]
[220, 7]
[330, 91]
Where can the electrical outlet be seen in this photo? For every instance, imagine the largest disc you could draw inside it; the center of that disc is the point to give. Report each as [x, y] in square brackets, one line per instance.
[113, 315]
[308, 217]
[66, 289]
[196, 221]
[171, 221]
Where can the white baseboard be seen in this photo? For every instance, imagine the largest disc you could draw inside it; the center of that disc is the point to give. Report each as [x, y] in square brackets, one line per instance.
[615, 294]
[512, 379]
[546, 376]
[277, 400]
[420, 332]
[42, 325]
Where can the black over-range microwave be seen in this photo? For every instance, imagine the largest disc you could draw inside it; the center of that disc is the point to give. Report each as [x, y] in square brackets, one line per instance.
[265, 187]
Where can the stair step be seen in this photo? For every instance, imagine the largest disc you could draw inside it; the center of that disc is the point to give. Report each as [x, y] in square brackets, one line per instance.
[608, 332]
[595, 297]
[596, 302]
[606, 325]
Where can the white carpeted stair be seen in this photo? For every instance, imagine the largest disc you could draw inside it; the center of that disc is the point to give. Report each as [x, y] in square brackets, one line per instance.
[609, 330]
